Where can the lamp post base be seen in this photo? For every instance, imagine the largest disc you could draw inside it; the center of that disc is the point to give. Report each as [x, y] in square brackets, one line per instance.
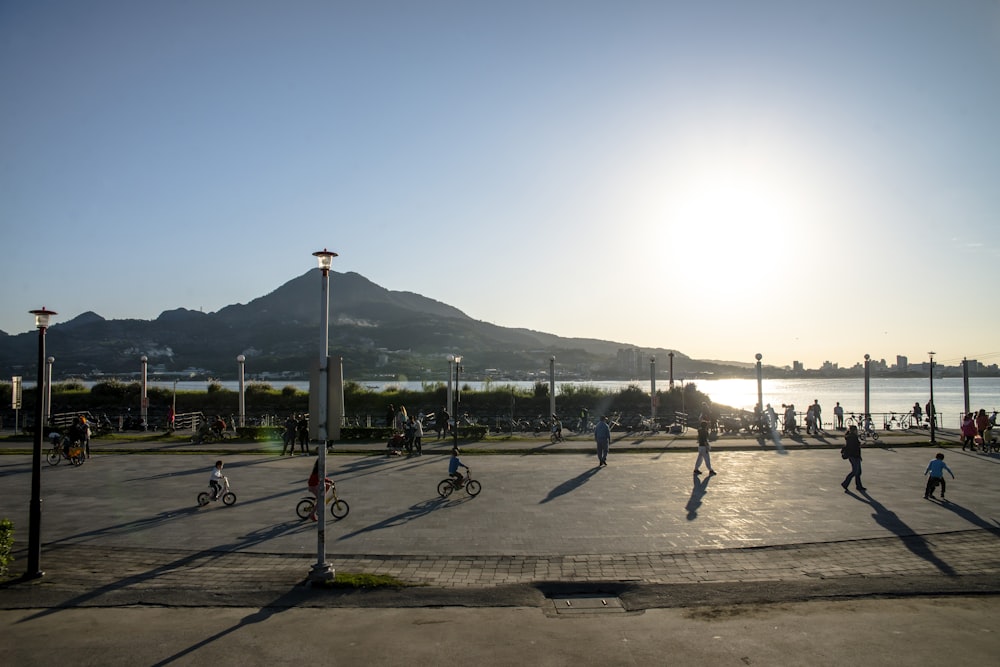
[321, 573]
[30, 576]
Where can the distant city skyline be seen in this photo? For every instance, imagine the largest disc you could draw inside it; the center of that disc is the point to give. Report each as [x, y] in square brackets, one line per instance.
[808, 181]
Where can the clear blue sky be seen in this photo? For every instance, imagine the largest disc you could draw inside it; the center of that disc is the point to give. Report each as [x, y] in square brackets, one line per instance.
[807, 180]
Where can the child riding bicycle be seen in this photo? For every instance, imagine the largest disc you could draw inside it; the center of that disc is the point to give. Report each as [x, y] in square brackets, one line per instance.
[453, 465]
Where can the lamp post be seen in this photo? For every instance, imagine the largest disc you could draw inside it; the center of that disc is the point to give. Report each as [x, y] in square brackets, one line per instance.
[321, 570]
[48, 390]
[552, 386]
[965, 383]
[670, 355]
[451, 376]
[35, 511]
[652, 388]
[868, 378]
[760, 383]
[930, 412]
[241, 360]
[173, 409]
[144, 405]
[458, 399]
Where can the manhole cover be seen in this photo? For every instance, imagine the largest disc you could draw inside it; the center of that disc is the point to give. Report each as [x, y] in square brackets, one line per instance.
[587, 604]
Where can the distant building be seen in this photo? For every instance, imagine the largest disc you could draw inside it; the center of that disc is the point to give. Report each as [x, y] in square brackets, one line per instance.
[902, 363]
[797, 367]
[630, 362]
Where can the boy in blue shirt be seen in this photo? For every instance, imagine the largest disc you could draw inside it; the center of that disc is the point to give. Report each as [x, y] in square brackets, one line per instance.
[454, 464]
[936, 468]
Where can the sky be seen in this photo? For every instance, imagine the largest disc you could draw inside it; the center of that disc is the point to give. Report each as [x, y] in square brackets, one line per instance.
[810, 181]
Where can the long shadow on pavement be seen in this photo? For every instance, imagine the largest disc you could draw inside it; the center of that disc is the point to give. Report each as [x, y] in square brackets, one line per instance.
[414, 512]
[205, 555]
[698, 491]
[917, 544]
[570, 485]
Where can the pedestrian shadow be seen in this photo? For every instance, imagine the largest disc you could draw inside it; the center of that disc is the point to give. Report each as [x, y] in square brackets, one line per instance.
[698, 491]
[917, 544]
[569, 485]
[970, 516]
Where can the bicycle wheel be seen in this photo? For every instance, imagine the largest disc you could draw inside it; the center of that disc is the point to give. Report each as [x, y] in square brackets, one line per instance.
[54, 457]
[472, 487]
[874, 435]
[445, 487]
[76, 460]
[339, 509]
[203, 498]
[229, 498]
[305, 508]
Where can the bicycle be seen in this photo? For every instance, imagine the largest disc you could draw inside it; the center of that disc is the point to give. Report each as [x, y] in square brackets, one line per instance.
[338, 508]
[226, 494]
[447, 486]
[66, 449]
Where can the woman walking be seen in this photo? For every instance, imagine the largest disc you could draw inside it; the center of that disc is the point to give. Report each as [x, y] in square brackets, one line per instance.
[852, 452]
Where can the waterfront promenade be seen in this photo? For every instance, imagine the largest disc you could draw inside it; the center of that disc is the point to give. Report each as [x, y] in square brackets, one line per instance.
[643, 534]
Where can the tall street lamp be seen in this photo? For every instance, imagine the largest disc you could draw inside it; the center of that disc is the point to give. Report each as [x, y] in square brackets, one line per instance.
[35, 511]
[552, 386]
[48, 390]
[458, 399]
[930, 412]
[321, 570]
[144, 406]
[760, 383]
[868, 377]
[652, 389]
[670, 355]
[451, 376]
[241, 360]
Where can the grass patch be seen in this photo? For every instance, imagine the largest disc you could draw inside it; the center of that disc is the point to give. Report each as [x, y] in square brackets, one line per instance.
[362, 581]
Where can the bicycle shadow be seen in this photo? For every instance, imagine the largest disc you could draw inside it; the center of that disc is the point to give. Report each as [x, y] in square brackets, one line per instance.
[414, 512]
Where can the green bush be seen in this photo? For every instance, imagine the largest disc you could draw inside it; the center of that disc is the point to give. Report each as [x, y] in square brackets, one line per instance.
[6, 545]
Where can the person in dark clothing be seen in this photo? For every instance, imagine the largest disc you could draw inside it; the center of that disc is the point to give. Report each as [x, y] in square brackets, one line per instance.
[852, 452]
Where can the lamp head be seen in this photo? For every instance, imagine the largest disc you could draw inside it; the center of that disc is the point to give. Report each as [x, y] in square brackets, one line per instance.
[42, 316]
[241, 358]
[758, 356]
[325, 259]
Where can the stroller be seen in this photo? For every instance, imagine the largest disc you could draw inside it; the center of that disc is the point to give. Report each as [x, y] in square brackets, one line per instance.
[396, 445]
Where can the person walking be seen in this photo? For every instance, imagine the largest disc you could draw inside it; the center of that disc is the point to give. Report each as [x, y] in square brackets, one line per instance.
[418, 435]
[852, 452]
[602, 435]
[703, 450]
[936, 469]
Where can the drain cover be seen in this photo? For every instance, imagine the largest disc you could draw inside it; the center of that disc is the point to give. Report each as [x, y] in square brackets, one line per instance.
[587, 604]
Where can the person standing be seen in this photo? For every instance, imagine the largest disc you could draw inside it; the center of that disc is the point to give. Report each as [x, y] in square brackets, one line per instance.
[838, 413]
[418, 435]
[936, 469]
[982, 426]
[703, 450]
[917, 414]
[602, 435]
[441, 420]
[303, 429]
[817, 417]
[390, 418]
[852, 452]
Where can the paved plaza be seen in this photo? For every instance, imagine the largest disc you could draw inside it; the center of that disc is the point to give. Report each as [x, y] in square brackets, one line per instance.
[556, 562]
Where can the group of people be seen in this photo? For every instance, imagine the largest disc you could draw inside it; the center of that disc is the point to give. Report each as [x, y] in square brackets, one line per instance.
[407, 431]
[976, 430]
[852, 452]
[296, 430]
[78, 433]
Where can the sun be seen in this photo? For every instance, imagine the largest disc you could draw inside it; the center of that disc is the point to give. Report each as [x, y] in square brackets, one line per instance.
[736, 220]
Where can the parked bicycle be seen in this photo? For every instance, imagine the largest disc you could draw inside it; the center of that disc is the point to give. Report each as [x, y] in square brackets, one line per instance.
[447, 486]
[338, 508]
[225, 494]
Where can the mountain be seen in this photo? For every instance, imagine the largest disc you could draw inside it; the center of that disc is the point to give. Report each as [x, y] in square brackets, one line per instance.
[378, 332]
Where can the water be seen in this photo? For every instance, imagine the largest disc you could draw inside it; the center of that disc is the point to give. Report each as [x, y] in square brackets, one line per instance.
[885, 394]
